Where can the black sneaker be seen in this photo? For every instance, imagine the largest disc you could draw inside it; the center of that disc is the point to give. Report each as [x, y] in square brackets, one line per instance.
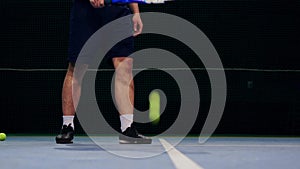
[66, 135]
[131, 136]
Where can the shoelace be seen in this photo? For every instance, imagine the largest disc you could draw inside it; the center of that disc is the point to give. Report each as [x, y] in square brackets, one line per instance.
[65, 128]
[133, 132]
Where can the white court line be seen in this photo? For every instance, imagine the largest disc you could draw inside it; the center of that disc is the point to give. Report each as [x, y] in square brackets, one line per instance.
[179, 160]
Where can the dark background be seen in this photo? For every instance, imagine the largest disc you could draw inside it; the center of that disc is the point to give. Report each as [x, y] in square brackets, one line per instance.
[257, 35]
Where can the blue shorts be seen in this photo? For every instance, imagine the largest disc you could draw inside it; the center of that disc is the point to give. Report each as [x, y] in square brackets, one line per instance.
[86, 20]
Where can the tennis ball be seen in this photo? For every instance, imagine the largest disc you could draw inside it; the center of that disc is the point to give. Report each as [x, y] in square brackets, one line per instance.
[154, 107]
[2, 136]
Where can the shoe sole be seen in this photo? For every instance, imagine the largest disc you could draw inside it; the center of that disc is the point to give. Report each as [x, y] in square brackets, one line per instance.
[64, 142]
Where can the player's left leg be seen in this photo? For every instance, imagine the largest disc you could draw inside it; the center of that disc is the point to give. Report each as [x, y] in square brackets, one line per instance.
[124, 85]
[124, 90]
[124, 97]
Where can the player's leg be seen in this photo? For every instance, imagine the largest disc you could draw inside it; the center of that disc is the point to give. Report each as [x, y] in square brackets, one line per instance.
[124, 86]
[70, 97]
[124, 90]
[67, 99]
[72, 89]
[124, 97]
[82, 26]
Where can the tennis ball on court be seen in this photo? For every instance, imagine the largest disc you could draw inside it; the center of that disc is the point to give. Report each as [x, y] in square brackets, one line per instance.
[154, 107]
[2, 136]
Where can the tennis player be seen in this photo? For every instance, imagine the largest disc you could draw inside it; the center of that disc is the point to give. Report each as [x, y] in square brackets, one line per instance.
[87, 16]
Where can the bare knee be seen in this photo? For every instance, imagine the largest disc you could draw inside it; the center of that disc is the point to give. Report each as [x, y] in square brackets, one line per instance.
[123, 68]
[73, 77]
[123, 63]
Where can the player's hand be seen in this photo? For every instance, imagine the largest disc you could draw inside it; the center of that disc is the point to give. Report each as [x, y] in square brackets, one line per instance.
[137, 24]
[97, 3]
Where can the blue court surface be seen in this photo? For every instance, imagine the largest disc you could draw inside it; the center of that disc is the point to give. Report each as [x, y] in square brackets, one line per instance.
[23, 152]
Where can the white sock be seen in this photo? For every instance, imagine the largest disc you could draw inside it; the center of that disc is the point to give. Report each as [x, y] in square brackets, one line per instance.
[67, 120]
[126, 121]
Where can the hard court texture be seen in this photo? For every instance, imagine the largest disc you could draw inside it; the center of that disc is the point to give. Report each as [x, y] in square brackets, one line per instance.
[41, 152]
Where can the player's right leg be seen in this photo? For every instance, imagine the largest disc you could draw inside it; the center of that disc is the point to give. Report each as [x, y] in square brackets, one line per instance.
[82, 26]
[70, 97]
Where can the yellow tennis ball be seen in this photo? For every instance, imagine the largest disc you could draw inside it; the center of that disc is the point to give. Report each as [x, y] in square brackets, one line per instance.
[154, 107]
[2, 136]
